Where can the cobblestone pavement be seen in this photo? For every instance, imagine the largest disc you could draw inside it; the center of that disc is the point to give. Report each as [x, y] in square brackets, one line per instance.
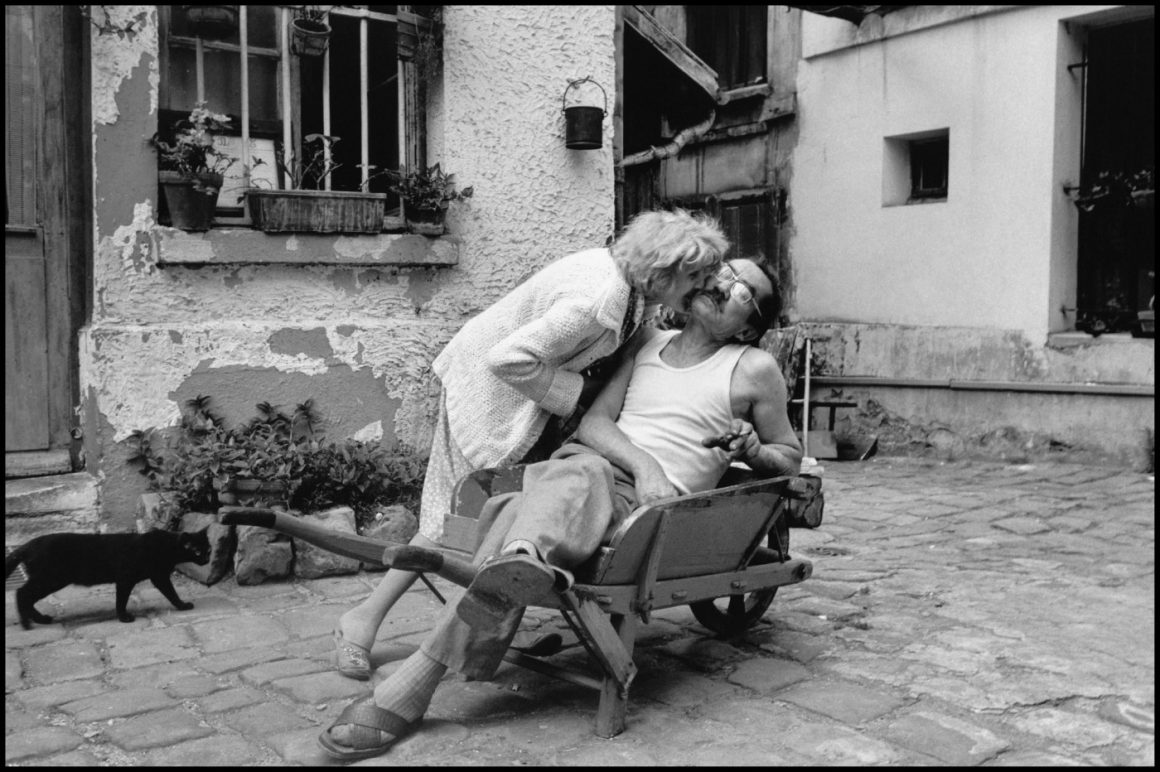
[959, 613]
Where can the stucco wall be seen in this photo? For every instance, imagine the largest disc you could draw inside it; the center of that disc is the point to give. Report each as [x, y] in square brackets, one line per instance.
[983, 257]
[358, 339]
[970, 289]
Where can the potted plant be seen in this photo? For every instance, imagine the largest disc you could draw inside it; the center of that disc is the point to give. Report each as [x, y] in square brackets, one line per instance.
[1116, 189]
[426, 194]
[305, 207]
[191, 168]
[309, 31]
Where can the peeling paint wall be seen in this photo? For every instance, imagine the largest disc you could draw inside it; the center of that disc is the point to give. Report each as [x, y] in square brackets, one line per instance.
[358, 340]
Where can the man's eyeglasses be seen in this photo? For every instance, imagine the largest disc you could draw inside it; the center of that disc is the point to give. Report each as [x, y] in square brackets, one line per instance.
[738, 289]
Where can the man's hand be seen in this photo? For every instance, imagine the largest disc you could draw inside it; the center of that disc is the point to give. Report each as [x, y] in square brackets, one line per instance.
[739, 443]
[652, 485]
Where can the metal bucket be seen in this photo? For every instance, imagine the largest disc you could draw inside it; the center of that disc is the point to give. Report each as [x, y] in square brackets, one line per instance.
[583, 124]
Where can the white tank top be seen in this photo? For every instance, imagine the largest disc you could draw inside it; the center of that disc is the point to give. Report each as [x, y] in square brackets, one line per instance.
[668, 410]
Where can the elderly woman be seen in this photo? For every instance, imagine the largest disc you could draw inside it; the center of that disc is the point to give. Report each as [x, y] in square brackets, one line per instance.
[519, 363]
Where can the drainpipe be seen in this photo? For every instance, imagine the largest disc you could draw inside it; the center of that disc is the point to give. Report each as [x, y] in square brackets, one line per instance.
[674, 146]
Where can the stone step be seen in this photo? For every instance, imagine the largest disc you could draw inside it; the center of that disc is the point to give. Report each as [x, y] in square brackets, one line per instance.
[39, 505]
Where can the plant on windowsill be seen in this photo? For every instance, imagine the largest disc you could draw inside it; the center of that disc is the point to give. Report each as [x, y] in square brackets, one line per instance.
[1116, 190]
[191, 167]
[306, 207]
[426, 195]
[310, 31]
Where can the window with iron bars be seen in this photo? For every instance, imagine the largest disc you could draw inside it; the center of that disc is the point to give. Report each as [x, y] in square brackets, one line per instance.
[358, 91]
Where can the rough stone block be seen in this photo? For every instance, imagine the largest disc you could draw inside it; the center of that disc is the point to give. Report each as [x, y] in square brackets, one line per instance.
[311, 562]
[394, 523]
[221, 548]
[261, 554]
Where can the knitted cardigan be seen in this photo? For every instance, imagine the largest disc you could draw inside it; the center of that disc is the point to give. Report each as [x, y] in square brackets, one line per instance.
[519, 361]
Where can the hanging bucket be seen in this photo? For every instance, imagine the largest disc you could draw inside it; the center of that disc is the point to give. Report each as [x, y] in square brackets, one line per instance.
[584, 124]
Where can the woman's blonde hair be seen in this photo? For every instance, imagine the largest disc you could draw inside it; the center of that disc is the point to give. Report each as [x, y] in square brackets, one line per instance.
[657, 246]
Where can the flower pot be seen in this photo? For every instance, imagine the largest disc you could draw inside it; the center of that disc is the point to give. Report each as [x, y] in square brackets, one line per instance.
[191, 202]
[428, 222]
[316, 211]
[308, 37]
[211, 21]
[1146, 324]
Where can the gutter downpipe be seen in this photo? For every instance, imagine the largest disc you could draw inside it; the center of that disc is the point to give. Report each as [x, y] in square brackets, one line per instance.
[672, 147]
[1100, 389]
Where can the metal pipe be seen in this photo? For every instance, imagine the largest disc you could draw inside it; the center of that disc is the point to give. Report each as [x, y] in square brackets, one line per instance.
[806, 405]
[674, 146]
[870, 381]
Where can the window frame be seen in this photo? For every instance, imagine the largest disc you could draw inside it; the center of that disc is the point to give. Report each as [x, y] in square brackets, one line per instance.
[284, 130]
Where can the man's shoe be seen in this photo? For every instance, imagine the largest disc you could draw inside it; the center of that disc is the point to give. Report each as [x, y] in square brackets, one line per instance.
[502, 584]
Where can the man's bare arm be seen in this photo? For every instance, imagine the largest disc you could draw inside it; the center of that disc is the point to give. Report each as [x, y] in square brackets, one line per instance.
[759, 398]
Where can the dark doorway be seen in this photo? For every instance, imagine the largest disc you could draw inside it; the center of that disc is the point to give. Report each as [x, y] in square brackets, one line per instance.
[1116, 268]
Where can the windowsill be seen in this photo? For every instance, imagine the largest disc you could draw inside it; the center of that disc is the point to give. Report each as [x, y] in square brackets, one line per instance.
[243, 246]
[1073, 338]
[915, 202]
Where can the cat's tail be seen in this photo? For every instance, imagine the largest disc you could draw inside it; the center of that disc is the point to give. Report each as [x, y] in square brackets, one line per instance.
[12, 560]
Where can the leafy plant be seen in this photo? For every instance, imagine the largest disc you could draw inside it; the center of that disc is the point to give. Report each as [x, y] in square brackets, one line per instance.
[1115, 188]
[196, 460]
[309, 168]
[313, 14]
[428, 189]
[191, 149]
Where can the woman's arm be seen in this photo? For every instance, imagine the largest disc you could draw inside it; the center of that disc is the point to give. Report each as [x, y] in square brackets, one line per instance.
[529, 358]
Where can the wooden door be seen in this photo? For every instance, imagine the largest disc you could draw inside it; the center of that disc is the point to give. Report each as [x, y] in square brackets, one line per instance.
[45, 236]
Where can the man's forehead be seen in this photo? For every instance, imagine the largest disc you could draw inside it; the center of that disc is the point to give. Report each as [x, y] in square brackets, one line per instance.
[752, 275]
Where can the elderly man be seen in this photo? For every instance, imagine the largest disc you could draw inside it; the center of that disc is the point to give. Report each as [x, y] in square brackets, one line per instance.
[644, 439]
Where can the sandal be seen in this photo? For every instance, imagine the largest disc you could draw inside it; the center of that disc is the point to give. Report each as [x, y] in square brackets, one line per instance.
[369, 720]
[354, 661]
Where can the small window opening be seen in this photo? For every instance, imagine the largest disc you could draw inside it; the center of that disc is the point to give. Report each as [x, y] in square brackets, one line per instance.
[928, 168]
[915, 168]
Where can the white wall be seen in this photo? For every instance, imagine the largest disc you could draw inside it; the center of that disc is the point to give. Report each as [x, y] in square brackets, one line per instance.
[982, 258]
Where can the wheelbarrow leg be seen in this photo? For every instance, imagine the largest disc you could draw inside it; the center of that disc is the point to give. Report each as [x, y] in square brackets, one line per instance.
[613, 709]
[611, 644]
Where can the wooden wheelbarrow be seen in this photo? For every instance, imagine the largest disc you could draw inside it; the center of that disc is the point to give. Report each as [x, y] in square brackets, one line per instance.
[731, 543]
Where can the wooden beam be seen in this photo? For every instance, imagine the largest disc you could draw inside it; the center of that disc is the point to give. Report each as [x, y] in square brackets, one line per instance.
[681, 56]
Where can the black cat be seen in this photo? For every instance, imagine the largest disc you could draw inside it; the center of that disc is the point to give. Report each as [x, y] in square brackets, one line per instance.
[57, 560]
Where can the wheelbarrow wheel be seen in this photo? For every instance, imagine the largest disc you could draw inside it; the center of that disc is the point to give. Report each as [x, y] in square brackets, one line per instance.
[733, 614]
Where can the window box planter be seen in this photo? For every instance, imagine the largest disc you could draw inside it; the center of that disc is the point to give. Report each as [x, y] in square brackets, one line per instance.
[316, 211]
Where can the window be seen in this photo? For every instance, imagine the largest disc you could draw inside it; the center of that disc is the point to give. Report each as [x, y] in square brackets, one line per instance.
[915, 168]
[731, 40]
[355, 91]
[928, 168]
